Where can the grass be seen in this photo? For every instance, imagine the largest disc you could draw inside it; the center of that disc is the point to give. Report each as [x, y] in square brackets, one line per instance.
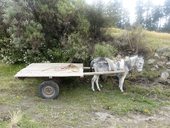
[155, 39]
[76, 105]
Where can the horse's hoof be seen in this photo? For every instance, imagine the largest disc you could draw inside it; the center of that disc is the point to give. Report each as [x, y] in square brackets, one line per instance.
[122, 91]
[93, 90]
[99, 90]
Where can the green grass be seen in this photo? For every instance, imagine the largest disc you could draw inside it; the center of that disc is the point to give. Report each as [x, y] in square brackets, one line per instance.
[76, 104]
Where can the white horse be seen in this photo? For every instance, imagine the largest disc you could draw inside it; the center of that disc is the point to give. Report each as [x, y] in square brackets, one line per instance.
[102, 64]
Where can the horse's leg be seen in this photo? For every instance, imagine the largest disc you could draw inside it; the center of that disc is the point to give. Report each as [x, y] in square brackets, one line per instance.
[97, 82]
[92, 82]
[121, 81]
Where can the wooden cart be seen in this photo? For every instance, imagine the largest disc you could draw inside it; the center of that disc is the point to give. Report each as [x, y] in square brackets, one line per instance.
[49, 89]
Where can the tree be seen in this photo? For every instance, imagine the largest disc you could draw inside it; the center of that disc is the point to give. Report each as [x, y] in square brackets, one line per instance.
[55, 30]
[139, 12]
[166, 9]
[96, 18]
[102, 15]
[2, 25]
[148, 15]
[39, 28]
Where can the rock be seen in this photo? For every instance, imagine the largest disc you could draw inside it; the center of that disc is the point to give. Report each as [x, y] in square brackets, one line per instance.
[163, 58]
[163, 50]
[168, 81]
[157, 56]
[168, 63]
[161, 63]
[103, 116]
[164, 75]
[156, 66]
[151, 61]
[167, 54]
[153, 69]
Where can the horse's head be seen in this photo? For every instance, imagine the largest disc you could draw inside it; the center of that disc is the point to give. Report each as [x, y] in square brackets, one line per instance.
[139, 64]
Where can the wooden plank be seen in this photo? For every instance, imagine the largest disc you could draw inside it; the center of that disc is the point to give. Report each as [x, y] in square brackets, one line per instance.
[51, 70]
[102, 73]
[87, 68]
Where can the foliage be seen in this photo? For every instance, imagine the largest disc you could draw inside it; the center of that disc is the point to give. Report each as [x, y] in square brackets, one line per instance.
[153, 17]
[33, 35]
[96, 19]
[100, 15]
[148, 15]
[74, 49]
[38, 31]
[104, 50]
[134, 42]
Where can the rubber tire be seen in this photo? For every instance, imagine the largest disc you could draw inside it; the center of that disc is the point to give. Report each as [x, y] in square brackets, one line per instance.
[49, 84]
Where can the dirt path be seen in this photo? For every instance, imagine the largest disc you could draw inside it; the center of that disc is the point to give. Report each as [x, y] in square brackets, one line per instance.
[161, 119]
[103, 119]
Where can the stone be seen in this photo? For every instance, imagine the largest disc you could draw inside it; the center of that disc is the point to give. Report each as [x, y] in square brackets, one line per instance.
[157, 56]
[168, 63]
[163, 58]
[156, 66]
[166, 54]
[164, 75]
[163, 50]
[161, 63]
[153, 69]
[103, 115]
[151, 61]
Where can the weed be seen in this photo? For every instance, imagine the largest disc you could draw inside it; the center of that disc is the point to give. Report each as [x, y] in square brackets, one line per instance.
[15, 117]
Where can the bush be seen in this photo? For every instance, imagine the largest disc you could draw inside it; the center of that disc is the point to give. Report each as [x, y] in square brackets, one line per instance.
[104, 50]
[35, 38]
[133, 42]
[76, 48]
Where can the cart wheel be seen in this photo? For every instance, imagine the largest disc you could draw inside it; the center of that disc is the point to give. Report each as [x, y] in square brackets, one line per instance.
[49, 89]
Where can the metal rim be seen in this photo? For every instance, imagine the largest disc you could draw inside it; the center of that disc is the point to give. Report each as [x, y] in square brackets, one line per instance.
[48, 91]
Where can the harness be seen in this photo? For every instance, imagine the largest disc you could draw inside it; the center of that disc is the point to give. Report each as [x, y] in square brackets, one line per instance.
[129, 64]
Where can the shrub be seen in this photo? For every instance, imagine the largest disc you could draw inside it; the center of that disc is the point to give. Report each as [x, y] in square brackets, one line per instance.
[134, 42]
[35, 38]
[8, 53]
[75, 48]
[105, 50]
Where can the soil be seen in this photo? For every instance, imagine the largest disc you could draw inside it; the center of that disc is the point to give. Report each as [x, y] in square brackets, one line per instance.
[101, 119]
[161, 119]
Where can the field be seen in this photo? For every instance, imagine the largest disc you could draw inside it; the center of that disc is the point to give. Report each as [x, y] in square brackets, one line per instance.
[143, 104]
[78, 106]
[154, 39]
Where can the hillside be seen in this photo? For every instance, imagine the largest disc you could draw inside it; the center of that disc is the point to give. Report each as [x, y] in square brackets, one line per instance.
[155, 39]
[144, 103]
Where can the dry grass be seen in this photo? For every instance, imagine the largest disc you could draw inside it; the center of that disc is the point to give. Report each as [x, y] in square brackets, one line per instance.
[154, 39]
[157, 40]
[15, 117]
[153, 34]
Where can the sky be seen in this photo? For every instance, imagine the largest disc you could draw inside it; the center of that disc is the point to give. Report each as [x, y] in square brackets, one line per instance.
[129, 5]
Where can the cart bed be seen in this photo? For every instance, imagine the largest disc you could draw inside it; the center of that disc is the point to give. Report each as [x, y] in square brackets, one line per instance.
[51, 70]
